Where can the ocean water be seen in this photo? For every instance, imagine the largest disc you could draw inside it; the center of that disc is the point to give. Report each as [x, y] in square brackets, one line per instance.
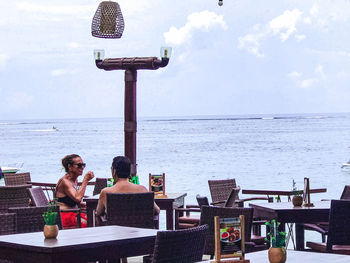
[260, 151]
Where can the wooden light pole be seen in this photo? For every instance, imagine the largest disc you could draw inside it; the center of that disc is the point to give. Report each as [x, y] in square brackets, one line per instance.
[131, 65]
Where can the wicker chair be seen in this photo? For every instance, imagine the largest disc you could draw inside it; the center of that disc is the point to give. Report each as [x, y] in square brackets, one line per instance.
[30, 219]
[322, 227]
[13, 196]
[17, 178]
[8, 223]
[225, 193]
[7, 227]
[184, 217]
[99, 185]
[179, 246]
[207, 218]
[39, 199]
[131, 209]
[220, 190]
[338, 239]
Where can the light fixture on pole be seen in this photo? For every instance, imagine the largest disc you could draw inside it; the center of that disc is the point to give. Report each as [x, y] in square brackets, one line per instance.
[131, 66]
[108, 21]
[221, 2]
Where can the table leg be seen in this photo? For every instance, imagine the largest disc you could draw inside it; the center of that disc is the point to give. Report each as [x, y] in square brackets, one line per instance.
[299, 236]
[90, 215]
[169, 219]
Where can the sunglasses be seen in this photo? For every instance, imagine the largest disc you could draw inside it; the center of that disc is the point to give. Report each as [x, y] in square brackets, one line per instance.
[80, 165]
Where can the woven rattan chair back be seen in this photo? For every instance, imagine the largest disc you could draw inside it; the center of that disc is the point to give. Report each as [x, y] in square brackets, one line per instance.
[17, 178]
[202, 200]
[37, 196]
[346, 193]
[221, 189]
[13, 196]
[8, 223]
[99, 185]
[207, 218]
[339, 227]
[184, 246]
[30, 219]
[231, 200]
[131, 209]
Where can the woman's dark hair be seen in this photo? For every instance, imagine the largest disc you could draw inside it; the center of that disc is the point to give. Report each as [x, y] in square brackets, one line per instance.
[68, 159]
[122, 165]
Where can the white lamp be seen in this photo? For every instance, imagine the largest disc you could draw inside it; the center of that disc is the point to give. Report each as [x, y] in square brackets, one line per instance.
[99, 54]
[165, 52]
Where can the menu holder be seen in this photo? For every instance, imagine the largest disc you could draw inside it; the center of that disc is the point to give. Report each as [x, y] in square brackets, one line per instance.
[157, 185]
[306, 193]
[229, 240]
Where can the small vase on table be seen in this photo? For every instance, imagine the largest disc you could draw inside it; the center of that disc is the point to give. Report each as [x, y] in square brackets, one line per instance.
[277, 252]
[50, 217]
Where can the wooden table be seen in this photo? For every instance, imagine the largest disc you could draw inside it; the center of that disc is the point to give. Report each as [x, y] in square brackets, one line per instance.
[172, 201]
[280, 192]
[284, 212]
[298, 257]
[78, 245]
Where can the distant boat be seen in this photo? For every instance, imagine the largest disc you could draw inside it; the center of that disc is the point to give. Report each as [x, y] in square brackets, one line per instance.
[345, 164]
[8, 169]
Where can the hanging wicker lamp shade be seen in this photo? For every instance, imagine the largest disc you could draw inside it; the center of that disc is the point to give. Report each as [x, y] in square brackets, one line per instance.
[108, 21]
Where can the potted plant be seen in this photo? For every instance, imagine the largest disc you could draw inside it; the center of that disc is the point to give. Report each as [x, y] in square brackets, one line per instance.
[297, 199]
[50, 217]
[277, 251]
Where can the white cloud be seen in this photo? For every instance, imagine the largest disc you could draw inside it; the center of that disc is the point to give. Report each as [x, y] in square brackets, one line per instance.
[319, 71]
[319, 75]
[306, 83]
[251, 43]
[18, 100]
[300, 37]
[294, 75]
[73, 45]
[58, 72]
[204, 21]
[3, 60]
[314, 10]
[284, 25]
[54, 9]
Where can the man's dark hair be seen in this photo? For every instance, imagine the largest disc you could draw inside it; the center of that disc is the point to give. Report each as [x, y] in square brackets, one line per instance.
[122, 165]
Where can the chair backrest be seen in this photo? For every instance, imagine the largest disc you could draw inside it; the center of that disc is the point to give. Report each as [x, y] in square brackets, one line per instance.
[184, 246]
[16, 178]
[221, 189]
[37, 196]
[230, 202]
[346, 193]
[339, 227]
[13, 196]
[131, 209]
[99, 185]
[30, 219]
[207, 218]
[7, 223]
[202, 200]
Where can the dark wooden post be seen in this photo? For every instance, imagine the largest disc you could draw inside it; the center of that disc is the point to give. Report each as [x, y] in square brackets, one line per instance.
[130, 123]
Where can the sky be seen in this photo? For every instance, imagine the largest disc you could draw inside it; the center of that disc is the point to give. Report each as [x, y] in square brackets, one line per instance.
[245, 57]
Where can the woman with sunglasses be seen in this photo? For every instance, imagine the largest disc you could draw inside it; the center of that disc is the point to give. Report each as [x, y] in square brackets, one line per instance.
[68, 195]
